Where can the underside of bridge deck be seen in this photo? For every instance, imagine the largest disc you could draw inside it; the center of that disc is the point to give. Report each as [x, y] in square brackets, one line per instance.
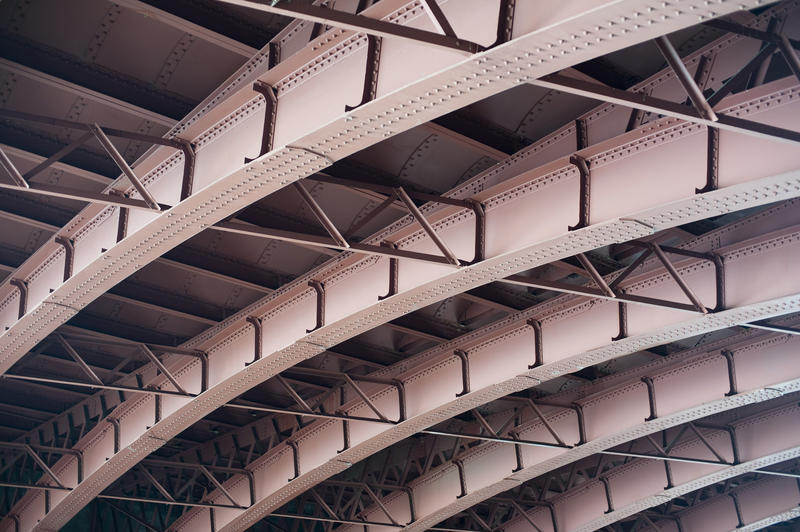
[454, 265]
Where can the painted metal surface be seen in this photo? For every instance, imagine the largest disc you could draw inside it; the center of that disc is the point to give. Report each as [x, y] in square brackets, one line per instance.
[499, 361]
[762, 502]
[289, 305]
[764, 439]
[520, 266]
[227, 133]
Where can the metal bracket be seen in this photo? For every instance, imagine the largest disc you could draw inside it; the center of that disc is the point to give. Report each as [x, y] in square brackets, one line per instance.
[585, 191]
[581, 134]
[712, 162]
[270, 114]
[607, 487]
[345, 436]
[115, 425]
[505, 22]
[371, 74]
[578, 408]
[122, 219]
[394, 272]
[462, 481]
[738, 509]
[668, 473]
[189, 158]
[295, 458]
[537, 343]
[480, 230]
[319, 288]
[728, 355]
[259, 347]
[274, 51]
[69, 254]
[517, 452]
[22, 285]
[651, 398]
[464, 357]
[622, 312]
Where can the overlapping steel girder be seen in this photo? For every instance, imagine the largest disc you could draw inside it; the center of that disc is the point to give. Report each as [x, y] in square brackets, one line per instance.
[232, 130]
[749, 506]
[749, 351]
[767, 220]
[245, 341]
[499, 359]
[685, 387]
[602, 119]
[766, 438]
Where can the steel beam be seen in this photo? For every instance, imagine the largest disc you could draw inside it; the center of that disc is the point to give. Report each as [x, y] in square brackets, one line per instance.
[770, 444]
[268, 336]
[315, 161]
[617, 394]
[769, 501]
[521, 354]
[664, 107]
[360, 23]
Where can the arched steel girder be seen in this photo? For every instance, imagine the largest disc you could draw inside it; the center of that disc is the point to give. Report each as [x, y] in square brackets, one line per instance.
[233, 131]
[499, 358]
[763, 439]
[606, 114]
[602, 416]
[749, 506]
[247, 342]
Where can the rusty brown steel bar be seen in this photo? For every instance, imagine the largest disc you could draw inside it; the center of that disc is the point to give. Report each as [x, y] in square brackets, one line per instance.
[79, 360]
[12, 170]
[320, 215]
[112, 151]
[686, 80]
[57, 156]
[415, 212]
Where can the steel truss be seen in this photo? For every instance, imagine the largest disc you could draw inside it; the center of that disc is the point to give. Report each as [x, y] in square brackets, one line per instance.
[529, 444]
[101, 135]
[521, 342]
[306, 411]
[487, 264]
[300, 163]
[605, 112]
[635, 486]
[749, 502]
[702, 110]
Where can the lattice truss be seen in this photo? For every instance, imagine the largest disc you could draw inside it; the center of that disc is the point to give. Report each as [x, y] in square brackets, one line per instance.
[411, 265]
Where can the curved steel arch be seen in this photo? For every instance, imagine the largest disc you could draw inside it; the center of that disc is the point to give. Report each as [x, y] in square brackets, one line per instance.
[751, 505]
[606, 120]
[766, 438]
[235, 123]
[502, 354]
[689, 388]
[288, 306]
